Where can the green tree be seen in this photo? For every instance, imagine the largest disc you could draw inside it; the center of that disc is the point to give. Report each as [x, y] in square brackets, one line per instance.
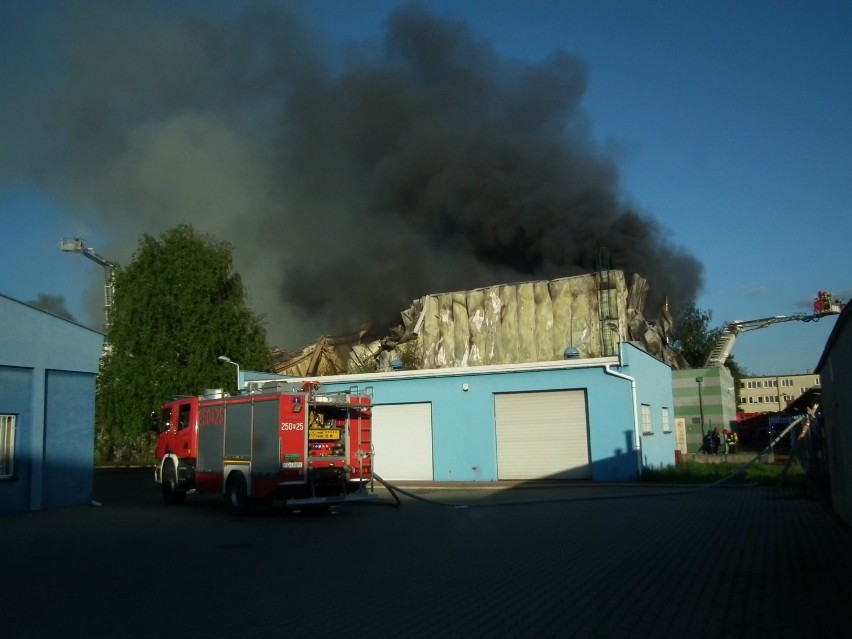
[693, 337]
[177, 307]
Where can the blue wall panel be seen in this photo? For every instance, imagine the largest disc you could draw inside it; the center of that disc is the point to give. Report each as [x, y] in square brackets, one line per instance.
[69, 441]
[463, 421]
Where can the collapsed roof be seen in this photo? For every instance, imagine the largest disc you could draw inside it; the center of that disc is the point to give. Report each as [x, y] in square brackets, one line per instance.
[504, 324]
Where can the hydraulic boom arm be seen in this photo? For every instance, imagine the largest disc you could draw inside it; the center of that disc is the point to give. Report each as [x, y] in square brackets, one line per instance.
[719, 355]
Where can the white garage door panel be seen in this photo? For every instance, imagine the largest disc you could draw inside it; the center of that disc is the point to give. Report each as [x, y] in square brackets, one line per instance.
[542, 435]
[402, 441]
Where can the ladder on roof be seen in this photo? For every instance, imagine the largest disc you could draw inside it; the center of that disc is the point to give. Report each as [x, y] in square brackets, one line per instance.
[607, 306]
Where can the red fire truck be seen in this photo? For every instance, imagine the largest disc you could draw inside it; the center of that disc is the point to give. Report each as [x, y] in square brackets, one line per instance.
[283, 441]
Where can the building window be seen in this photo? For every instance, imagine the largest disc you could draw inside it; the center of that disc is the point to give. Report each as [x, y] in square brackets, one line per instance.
[646, 420]
[667, 428]
[7, 446]
[816, 382]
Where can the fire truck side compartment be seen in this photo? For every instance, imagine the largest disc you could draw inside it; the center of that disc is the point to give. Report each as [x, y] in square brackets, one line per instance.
[238, 431]
[265, 453]
[210, 438]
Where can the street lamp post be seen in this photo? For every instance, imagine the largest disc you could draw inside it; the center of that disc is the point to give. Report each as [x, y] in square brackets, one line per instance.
[228, 360]
[700, 380]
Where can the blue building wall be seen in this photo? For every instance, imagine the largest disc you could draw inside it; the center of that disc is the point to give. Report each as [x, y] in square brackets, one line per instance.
[463, 422]
[653, 388]
[68, 450]
[48, 367]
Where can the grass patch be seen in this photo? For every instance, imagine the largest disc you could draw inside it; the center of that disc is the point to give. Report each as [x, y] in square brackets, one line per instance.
[703, 473]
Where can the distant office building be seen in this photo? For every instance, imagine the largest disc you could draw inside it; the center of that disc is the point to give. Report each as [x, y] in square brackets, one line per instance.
[773, 393]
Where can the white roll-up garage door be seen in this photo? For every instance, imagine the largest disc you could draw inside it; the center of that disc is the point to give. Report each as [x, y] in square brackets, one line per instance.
[402, 440]
[542, 435]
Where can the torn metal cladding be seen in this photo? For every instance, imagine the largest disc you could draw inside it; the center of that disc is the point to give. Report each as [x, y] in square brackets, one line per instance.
[503, 324]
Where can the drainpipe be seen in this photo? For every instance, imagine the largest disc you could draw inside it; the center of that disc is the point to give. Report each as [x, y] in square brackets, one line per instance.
[636, 441]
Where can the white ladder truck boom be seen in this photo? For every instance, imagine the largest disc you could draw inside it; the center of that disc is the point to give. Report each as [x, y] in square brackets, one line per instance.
[824, 305]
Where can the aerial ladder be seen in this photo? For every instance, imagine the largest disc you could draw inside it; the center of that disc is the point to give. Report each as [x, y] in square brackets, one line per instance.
[824, 304]
[77, 245]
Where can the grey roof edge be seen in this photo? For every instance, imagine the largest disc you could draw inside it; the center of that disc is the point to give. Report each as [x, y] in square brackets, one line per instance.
[41, 310]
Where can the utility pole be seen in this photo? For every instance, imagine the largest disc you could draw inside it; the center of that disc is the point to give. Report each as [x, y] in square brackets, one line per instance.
[700, 381]
[77, 245]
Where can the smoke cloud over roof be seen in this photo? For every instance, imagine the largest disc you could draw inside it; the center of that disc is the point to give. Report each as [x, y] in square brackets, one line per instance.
[53, 304]
[425, 162]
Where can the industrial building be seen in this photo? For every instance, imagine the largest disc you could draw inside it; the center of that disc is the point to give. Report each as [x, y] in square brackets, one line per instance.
[600, 419]
[560, 379]
[48, 367]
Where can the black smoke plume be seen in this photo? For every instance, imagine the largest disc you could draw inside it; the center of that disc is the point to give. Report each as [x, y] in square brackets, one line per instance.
[53, 304]
[423, 163]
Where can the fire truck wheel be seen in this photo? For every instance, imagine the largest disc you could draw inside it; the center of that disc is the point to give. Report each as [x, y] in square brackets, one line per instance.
[171, 494]
[237, 493]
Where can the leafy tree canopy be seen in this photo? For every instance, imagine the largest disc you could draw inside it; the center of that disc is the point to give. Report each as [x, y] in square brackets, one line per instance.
[695, 340]
[177, 307]
[693, 336]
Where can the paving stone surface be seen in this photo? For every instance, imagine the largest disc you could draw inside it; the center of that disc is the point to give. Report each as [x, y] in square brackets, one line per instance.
[519, 560]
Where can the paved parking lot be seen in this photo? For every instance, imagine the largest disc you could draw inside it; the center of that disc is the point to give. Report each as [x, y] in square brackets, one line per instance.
[519, 561]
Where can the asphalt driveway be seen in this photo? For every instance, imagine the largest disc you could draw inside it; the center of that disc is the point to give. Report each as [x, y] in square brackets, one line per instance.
[556, 560]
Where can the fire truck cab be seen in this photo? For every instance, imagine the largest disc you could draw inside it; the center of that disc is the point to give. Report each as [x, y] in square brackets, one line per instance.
[287, 442]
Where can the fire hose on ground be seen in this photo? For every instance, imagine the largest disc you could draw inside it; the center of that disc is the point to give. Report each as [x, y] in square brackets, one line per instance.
[395, 491]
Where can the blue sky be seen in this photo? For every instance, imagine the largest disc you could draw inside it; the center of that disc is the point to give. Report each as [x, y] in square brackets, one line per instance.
[729, 124]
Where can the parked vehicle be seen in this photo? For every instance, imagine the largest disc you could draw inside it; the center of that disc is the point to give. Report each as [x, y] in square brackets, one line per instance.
[288, 442]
